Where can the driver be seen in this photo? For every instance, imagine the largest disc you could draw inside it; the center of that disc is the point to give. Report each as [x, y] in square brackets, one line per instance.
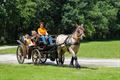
[44, 35]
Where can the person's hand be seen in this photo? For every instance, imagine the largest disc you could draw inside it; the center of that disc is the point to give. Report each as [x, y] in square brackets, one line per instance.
[46, 36]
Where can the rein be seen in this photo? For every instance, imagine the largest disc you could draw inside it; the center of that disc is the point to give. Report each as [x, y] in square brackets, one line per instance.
[69, 44]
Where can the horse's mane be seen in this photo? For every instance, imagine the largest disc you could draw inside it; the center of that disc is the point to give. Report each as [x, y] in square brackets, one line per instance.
[77, 27]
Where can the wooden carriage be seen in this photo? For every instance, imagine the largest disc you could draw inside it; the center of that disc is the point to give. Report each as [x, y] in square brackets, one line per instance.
[38, 53]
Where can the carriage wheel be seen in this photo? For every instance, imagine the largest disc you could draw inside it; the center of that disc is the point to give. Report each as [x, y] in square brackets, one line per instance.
[19, 54]
[36, 56]
[43, 58]
[61, 60]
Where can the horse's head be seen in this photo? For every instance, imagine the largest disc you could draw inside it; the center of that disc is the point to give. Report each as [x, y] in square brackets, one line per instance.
[80, 31]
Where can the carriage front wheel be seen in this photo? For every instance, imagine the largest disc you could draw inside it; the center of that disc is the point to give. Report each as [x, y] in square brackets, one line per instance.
[36, 56]
[19, 54]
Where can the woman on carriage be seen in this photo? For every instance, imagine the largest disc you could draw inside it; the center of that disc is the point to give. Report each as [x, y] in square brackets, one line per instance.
[34, 36]
[28, 43]
[44, 34]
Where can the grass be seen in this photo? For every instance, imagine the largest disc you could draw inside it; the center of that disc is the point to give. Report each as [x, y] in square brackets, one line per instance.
[104, 49]
[31, 72]
[8, 51]
[95, 49]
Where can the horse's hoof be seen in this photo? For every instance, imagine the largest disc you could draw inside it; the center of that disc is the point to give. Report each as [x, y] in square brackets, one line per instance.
[60, 64]
[71, 66]
[78, 66]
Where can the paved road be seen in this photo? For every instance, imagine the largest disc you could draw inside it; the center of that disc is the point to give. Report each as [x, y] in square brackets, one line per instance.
[11, 59]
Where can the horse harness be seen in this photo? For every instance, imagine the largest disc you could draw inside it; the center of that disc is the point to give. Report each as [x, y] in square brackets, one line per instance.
[68, 43]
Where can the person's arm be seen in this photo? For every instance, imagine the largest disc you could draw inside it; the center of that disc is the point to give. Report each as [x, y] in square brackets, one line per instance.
[46, 33]
[39, 32]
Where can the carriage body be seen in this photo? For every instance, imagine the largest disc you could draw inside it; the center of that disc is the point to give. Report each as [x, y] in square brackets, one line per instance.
[39, 53]
[23, 52]
[43, 52]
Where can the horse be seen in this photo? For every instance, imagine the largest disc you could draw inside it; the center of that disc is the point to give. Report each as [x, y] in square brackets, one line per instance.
[70, 43]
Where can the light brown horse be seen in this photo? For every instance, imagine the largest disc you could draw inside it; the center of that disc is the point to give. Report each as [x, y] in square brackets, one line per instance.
[71, 44]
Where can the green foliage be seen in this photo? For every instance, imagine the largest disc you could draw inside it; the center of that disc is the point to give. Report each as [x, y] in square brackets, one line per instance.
[100, 17]
[73, 13]
[90, 30]
[15, 14]
[44, 13]
[27, 10]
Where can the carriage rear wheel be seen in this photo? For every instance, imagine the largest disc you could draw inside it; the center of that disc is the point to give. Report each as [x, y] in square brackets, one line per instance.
[60, 61]
[19, 54]
[36, 56]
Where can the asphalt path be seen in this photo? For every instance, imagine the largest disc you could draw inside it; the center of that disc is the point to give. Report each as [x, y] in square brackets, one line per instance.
[11, 59]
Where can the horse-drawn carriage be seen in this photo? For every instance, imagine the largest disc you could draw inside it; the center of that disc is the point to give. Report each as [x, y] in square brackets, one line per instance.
[39, 52]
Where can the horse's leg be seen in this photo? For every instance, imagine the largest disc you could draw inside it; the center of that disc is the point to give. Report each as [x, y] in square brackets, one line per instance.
[74, 57]
[76, 63]
[71, 62]
[59, 55]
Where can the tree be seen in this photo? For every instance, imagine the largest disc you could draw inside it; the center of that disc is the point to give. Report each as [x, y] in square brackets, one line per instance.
[72, 14]
[3, 15]
[27, 10]
[50, 12]
[101, 18]
[15, 14]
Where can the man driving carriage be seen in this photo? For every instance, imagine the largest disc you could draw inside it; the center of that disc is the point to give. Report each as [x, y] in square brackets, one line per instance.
[44, 35]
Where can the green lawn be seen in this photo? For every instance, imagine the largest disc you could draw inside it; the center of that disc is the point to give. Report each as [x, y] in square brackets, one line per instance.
[31, 72]
[104, 49]
[94, 49]
[8, 51]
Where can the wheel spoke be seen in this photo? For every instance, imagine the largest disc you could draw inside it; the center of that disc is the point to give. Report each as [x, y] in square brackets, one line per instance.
[19, 55]
[35, 56]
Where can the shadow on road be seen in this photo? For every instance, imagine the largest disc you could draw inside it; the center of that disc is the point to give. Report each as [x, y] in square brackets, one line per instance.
[63, 66]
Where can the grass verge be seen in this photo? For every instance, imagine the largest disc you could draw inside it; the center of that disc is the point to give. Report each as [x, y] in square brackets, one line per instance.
[102, 49]
[31, 72]
[8, 51]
